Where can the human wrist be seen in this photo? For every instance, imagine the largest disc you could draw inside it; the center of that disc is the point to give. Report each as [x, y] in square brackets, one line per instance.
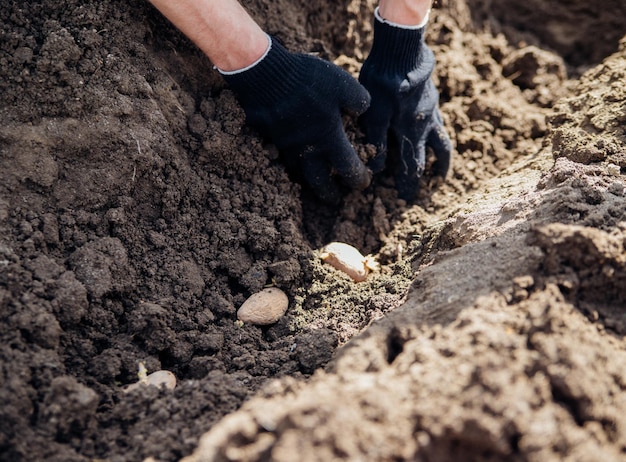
[241, 65]
[405, 13]
[237, 58]
[407, 24]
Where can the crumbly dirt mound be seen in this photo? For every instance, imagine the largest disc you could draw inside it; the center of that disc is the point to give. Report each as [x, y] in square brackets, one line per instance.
[502, 382]
[508, 347]
[591, 126]
[583, 33]
[137, 212]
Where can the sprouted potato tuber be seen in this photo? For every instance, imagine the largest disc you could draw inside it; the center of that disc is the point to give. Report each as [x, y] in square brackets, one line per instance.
[348, 259]
[157, 379]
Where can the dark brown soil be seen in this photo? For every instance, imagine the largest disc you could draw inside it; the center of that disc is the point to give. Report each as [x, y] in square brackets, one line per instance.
[138, 211]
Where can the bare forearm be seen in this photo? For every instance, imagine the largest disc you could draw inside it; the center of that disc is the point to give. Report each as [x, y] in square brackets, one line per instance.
[405, 12]
[222, 29]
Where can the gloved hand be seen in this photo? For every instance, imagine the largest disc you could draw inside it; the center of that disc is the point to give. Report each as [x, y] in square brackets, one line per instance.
[404, 106]
[296, 101]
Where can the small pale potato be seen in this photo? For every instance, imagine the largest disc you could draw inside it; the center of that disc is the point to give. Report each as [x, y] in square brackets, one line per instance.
[157, 379]
[348, 259]
[613, 170]
[264, 308]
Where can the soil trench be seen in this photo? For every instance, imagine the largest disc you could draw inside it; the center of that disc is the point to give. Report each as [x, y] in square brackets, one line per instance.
[138, 212]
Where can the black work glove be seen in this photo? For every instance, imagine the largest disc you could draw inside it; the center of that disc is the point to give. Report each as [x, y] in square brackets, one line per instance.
[404, 106]
[296, 101]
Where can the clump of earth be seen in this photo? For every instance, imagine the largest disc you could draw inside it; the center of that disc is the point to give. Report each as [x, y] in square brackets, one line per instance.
[138, 212]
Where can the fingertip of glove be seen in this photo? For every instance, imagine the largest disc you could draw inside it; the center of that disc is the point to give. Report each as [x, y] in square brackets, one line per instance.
[407, 186]
[366, 95]
[363, 179]
[366, 101]
[328, 194]
[377, 164]
[358, 100]
[407, 194]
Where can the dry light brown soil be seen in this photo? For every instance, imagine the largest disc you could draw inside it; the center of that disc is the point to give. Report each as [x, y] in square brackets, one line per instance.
[138, 212]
